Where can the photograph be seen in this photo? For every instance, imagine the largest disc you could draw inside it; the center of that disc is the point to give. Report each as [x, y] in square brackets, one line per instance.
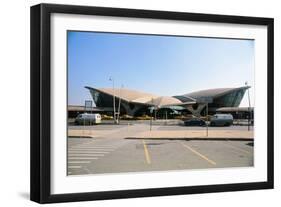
[140, 103]
[132, 103]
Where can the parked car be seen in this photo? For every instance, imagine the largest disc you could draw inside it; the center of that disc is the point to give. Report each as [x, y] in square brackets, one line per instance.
[86, 119]
[195, 122]
[221, 120]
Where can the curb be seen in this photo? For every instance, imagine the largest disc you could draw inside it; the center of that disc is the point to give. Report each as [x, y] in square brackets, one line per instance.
[194, 138]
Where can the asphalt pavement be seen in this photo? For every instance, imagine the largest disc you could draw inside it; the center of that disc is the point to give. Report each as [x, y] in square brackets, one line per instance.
[113, 153]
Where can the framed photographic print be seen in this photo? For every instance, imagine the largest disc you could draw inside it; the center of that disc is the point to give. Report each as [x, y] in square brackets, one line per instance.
[133, 103]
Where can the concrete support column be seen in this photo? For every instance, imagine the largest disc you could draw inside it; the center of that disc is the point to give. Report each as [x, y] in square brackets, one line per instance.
[196, 112]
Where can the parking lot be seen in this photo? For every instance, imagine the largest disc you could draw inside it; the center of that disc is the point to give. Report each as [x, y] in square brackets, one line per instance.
[118, 148]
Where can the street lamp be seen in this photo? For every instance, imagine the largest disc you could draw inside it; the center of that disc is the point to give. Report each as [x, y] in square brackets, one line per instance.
[151, 110]
[111, 79]
[118, 117]
[249, 116]
[206, 100]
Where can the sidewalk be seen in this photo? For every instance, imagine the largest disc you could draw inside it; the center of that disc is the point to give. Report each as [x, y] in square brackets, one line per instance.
[165, 134]
[196, 134]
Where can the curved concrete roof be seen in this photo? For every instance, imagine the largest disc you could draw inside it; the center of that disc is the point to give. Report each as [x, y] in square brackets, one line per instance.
[161, 101]
[127, 94]
[164, 101]
[214, 92]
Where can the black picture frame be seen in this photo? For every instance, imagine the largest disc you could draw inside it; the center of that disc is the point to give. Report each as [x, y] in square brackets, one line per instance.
[40, 184]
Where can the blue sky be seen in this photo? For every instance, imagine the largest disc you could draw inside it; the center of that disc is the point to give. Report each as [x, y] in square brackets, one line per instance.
[163, 65]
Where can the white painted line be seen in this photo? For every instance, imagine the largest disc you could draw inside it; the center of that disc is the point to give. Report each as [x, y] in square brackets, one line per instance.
[92, 147]
[83, 158]
[92, 151]
[86, 155]
[95, 145]
[79, 147]
[79, 162]
[74, 167]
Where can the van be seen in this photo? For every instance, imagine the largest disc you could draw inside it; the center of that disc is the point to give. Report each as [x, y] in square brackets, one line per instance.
[221, 120]
[86, 118]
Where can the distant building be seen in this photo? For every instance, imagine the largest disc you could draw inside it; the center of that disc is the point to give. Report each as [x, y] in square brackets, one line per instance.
[135, 103]
[238, 112]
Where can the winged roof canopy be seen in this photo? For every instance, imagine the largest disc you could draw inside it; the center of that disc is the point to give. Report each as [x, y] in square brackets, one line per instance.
[228, 97]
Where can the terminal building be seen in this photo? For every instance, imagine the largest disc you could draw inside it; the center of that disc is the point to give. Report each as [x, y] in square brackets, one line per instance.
[137, 103]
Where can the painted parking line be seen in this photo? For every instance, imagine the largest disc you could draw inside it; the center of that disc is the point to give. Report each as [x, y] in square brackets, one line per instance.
[86, 152]
[94, 146]
[146, 153]
[237, 148]
[74, 149]
[199, 154]
[74, 167]
[82, 158]
[91, 149]
[79, 162]
[85, 155]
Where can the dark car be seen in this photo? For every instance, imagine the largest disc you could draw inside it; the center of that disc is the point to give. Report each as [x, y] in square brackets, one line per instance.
[195, 122]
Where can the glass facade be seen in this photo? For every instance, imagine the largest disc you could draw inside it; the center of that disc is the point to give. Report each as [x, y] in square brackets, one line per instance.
[102, 99]
[232, 99]
[184, 98]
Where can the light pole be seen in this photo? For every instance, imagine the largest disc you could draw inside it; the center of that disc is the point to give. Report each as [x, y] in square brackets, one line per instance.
[207, 121]
[111, 79]
[119, 102]
[151, 111]
[249, 116]
[206, 101]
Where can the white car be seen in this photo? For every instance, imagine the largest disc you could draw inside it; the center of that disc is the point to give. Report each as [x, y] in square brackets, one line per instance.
[86, 118]
[221, 120]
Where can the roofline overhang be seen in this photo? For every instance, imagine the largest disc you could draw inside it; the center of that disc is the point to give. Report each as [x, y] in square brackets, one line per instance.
[232, 90]
[179, 104]
[220, 94]
[128, 101]
[91, 88]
